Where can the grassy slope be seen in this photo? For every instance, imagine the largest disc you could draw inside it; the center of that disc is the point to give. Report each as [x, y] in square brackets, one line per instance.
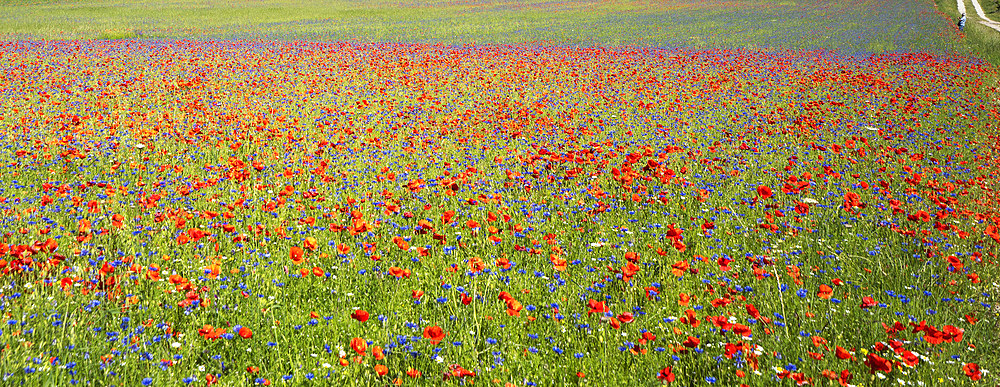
[680, 23]
[979, 40]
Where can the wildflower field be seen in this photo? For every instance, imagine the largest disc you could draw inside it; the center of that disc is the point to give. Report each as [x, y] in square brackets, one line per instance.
[679, 193]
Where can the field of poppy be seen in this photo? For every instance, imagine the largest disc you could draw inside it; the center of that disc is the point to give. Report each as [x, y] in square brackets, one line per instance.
[251, 212]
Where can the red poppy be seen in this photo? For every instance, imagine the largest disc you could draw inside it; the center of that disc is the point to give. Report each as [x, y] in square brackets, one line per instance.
[311, 244]
[434, 333]
[972, 371]
[845, 378]
[691, 342]
[877, 363]
[245, 333]
[666, 375]
[359, 345]
[401, 243]
[952, 333]
[596, 307]
[296, 255]
[741, 330]
[360, 315]
[764, 192]
[852, 200]
[211, 333]
[842, 353]
[557, 262]
[867, 302]
[399, 272]
[825, 291]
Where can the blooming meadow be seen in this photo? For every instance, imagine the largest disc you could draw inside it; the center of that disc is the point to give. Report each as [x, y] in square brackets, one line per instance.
[251, 212]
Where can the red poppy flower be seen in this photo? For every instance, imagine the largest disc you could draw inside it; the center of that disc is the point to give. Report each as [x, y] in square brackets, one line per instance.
[311, 244]
[741, 330]
[877, 363]
[764, 192]
[825, 291]
[399, 272]
[296, 254]
[952, 333]
[852, 200]
[401, 243]
[245, 333]
[972, 371]
[359, 345]
[867, 302]
[360, 315]
[596, 307]
[666, 375]
[434, 333]
[691, 342]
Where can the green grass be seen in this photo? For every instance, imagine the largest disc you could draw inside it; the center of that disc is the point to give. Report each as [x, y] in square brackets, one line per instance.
[978, 40]
[808, 24]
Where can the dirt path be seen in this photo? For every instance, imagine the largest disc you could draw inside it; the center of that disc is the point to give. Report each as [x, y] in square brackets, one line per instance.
[982, 15]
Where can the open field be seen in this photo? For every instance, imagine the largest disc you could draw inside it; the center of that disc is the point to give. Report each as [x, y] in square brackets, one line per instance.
[862, 26]
[497, 193]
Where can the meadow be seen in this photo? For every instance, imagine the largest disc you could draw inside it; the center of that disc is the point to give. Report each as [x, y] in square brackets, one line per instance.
[497, 193]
